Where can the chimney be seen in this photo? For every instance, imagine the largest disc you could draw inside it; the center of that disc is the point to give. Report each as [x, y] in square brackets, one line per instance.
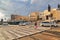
[58, 6]
[49, 8]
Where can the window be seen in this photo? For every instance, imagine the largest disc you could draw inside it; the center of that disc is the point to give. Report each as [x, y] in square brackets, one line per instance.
[40, 18]
[51, 15]
[47, 17]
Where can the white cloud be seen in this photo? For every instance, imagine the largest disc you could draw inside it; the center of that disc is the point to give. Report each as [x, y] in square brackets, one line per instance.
[14, 5]
[2, 15]
[6, 2]
[33, 1]
[22, 0]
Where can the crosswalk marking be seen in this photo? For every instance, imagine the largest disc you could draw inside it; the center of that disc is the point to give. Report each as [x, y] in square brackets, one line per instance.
[10, 36]
[24, 30]
[21, 32]
[16, 32]
[30, 30]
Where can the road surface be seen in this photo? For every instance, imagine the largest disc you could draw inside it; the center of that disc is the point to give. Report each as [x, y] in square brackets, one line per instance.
[15, 32]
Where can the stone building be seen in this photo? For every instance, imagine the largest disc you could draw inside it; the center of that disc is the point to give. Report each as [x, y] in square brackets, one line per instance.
[36, 16]
[16, 17]
[56, 14]
[19, 17]
[33, 16]
[52, 15]
[47, 14]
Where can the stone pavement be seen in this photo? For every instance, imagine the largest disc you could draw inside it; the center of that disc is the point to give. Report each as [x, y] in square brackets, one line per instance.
[52, 34]
[15, 32]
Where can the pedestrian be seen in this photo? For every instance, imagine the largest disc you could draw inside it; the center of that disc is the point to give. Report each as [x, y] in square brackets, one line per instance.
[35, 25]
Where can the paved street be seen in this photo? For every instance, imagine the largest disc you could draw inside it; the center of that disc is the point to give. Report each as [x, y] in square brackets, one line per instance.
[15, 32]
[52, 34]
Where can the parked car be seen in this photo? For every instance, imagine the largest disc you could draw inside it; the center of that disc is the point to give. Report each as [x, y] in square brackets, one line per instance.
[48, 24]
[5, 24]
[24, 23]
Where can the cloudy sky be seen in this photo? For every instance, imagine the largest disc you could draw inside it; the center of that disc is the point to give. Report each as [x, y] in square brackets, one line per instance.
[24, 7]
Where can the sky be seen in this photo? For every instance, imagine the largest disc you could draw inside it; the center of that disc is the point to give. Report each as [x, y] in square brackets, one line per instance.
[24, 7]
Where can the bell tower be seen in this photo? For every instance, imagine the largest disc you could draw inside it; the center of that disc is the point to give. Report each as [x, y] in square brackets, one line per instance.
[59, 6]
[49, 8]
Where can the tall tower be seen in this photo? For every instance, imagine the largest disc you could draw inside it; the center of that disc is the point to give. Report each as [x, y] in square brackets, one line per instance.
[59, 6]
[49, 8]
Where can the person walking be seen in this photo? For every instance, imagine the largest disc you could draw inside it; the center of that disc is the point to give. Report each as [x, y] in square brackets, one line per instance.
[35, 25]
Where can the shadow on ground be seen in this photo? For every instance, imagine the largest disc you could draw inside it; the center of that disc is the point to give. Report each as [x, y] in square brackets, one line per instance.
[54, 33]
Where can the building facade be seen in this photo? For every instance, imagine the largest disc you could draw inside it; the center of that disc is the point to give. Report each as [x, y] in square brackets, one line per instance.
[18, 18]
[52, 15]
[34, 16]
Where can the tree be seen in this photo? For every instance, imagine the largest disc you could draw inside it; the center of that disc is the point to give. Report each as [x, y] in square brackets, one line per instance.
[1, 21]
